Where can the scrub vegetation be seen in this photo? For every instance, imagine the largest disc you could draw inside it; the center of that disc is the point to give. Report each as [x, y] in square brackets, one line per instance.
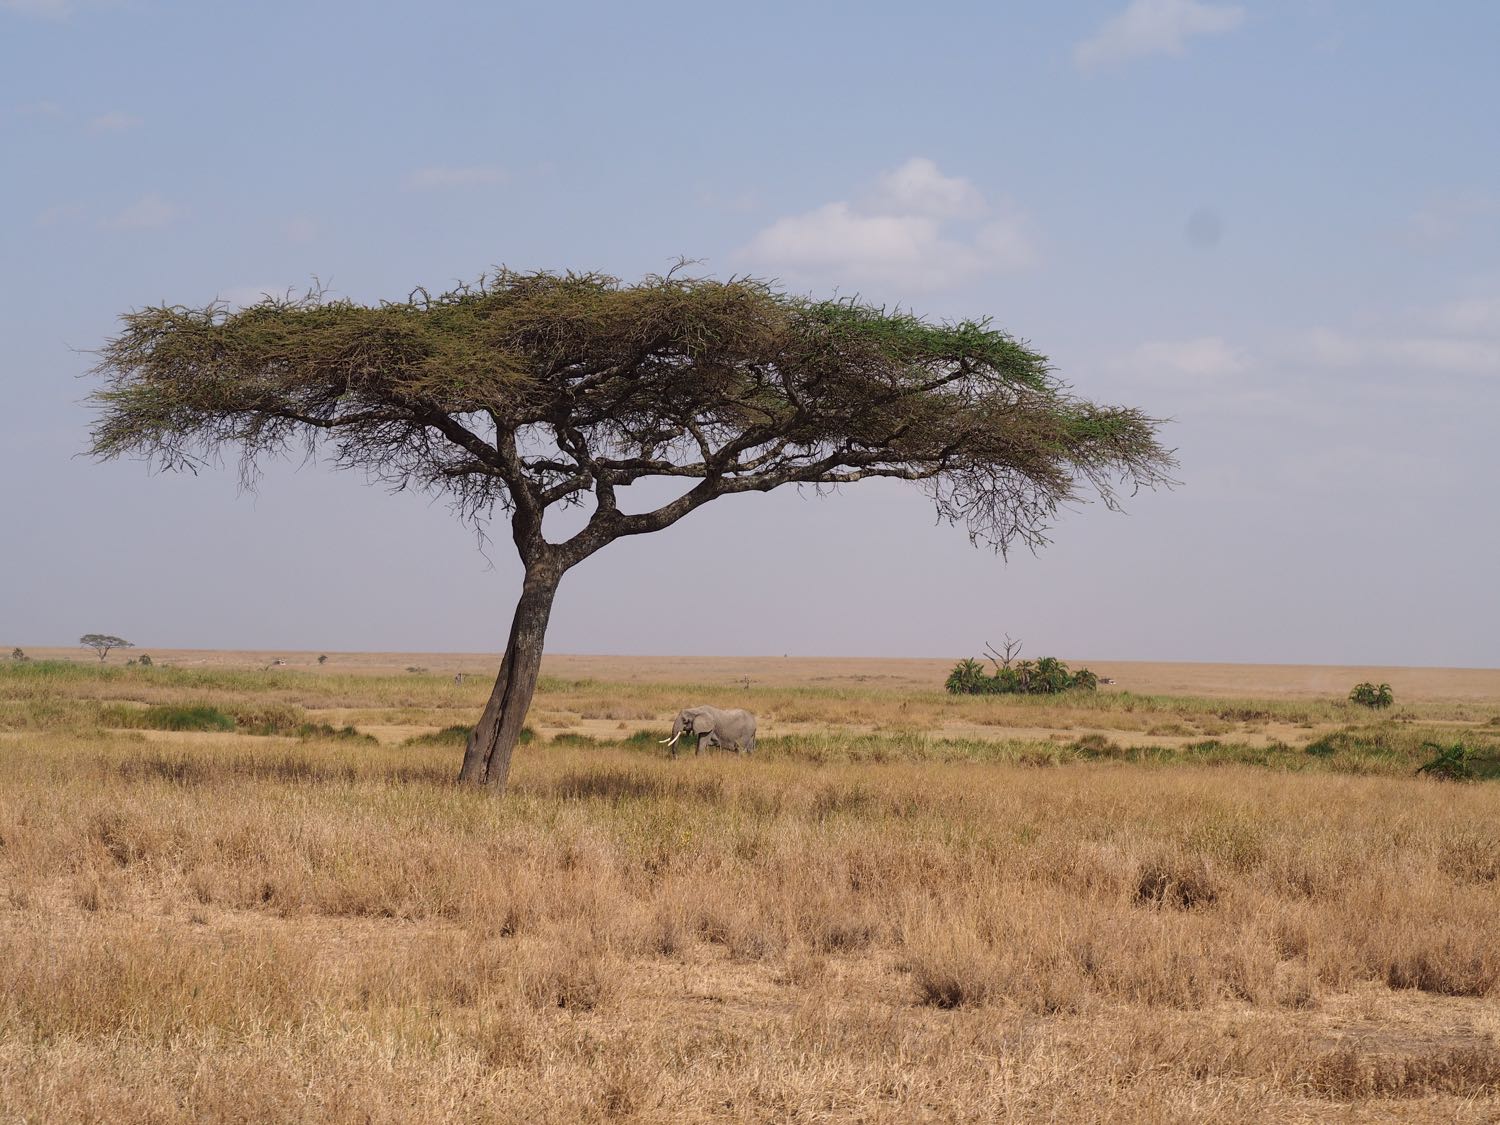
[259, 895]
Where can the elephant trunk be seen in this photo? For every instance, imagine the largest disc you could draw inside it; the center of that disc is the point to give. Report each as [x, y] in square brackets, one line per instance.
[678, 726]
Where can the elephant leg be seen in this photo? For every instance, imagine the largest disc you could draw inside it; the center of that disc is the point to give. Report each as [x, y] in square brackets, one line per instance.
[698, 746]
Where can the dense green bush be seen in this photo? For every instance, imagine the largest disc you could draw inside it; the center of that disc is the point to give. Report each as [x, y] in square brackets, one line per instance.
[1047, 676]
[1372, 695]
[1451, 763]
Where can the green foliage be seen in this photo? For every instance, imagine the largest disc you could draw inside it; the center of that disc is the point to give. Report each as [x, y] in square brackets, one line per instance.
[1085, 680]
[1047, 676]
[179, 716]
[144, 660]
[967, 678]
[1450, 763]
[642, 373]
[1372, 695]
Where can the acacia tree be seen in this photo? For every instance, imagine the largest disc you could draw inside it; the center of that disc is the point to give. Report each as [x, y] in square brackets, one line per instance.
[528, 392]
[101, 643]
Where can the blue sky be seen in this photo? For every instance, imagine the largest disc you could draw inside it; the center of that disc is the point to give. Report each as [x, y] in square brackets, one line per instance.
[1277, 224]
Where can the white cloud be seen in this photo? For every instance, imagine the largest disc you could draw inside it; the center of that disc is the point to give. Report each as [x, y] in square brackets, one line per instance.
[114, 122]
[1206, 357]
[915, 230]
[1155, 27]
[439, 178]
[1478, 316]
[917, 187]
[150, 210]
[1006, 243]
[1456, 355]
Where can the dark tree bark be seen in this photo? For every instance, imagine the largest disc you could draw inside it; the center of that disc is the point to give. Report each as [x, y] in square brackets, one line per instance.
[493, 740]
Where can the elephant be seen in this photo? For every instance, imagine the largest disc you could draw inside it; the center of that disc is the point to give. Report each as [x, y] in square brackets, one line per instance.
[714, 727]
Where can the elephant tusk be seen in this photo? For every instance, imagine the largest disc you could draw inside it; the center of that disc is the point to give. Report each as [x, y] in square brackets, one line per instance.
[673, 740]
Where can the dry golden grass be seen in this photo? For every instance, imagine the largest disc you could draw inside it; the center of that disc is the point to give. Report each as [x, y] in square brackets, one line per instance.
[232, 927]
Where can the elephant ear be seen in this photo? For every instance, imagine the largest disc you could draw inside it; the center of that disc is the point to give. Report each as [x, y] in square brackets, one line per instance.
[702, 723]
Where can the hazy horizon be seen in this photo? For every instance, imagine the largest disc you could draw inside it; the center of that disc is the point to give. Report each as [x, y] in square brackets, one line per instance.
[1277, 225]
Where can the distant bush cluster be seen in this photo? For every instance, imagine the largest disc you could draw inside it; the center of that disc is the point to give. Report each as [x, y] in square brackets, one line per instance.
[1372, 695]
[1047, 676]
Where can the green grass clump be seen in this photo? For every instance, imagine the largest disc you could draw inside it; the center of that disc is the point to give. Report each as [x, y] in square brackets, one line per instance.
[328, 732]
[192, 716]
[447, 737]
[458, 736]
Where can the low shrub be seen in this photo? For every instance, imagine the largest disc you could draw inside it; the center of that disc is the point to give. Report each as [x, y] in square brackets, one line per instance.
[1378, 696]
[1450, 763]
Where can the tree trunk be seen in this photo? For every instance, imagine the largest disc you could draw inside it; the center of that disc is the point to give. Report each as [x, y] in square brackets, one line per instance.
[487, 756]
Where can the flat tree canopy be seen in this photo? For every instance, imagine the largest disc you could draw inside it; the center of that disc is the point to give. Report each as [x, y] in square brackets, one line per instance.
[533, 390]
[101, 643]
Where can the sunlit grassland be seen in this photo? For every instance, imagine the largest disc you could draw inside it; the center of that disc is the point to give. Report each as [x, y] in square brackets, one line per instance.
[907, 906]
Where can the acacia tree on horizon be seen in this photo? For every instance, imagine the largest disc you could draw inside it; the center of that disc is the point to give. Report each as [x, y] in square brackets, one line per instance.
[527, 392]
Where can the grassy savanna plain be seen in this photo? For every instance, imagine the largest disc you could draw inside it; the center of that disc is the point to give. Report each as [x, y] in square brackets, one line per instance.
[1204, 893]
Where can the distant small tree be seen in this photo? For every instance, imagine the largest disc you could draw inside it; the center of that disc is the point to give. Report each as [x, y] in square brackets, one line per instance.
[323, 659]
[17, 654]
[531, 392]
[145, 660]
[101, 643]
[1372, 695]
